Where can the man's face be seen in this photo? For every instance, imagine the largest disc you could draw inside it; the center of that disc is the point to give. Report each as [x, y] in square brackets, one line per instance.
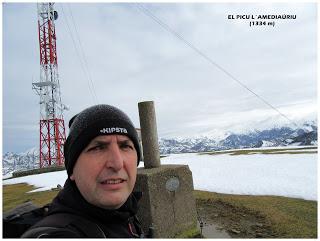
[106, 170]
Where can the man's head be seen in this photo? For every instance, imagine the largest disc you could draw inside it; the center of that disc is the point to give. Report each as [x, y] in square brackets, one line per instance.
[102, 152]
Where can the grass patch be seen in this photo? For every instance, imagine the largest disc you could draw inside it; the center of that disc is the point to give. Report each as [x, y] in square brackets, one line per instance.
[191, 233]
[304, 150]
[289, 217]
[16, 194]
[293, 152]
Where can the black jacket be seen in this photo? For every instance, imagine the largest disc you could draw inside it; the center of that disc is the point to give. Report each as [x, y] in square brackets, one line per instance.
[71, 216]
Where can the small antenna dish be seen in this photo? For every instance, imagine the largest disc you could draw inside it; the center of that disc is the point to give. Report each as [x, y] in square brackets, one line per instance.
[55, 15]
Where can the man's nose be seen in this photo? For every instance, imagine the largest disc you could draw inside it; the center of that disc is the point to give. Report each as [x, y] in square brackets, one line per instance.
[114, 158]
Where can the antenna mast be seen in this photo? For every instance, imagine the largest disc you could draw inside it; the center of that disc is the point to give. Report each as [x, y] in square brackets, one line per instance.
[52, 129]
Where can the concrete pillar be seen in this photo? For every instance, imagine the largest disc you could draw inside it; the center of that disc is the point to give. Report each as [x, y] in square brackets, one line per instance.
[149, 134]
[167, 204]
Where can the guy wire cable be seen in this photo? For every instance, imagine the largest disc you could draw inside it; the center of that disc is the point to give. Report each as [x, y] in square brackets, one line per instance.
[79, 57]
[83, 53]
[165, 26]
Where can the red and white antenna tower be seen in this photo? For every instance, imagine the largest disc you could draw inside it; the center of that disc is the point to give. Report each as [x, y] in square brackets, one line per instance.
[52, 129]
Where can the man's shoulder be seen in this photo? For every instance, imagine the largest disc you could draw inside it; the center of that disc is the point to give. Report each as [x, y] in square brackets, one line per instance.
[64, 225]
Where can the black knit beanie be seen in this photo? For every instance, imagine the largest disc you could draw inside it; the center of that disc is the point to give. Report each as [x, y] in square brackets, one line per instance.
[94, 121]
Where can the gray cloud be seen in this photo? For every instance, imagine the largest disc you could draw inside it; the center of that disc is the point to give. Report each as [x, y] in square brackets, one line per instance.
[131, 59]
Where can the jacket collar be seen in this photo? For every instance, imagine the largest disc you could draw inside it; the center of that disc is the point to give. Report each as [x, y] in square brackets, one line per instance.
[70, 200]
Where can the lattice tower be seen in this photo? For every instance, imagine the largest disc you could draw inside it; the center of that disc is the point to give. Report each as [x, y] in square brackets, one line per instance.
[52, 128]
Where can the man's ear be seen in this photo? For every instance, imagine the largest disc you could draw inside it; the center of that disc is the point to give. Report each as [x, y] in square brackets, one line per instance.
[72, 177]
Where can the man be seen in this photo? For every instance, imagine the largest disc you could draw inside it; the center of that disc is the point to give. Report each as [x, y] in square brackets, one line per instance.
[102, 153]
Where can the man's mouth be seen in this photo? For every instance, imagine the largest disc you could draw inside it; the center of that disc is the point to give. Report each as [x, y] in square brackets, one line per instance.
[112, 181]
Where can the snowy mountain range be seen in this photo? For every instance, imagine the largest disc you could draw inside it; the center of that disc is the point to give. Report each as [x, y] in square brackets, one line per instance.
[304, 135]
[279, 136]
[23, 161]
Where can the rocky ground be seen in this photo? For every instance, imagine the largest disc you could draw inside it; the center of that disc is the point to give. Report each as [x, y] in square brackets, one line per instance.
[223, 220]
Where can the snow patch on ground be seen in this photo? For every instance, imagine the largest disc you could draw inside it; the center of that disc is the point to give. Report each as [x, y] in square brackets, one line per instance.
[44, 181]
[287, 175]
[283, 175]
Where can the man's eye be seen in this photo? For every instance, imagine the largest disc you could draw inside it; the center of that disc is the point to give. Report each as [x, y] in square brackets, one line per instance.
[95, 148]
[126, 146]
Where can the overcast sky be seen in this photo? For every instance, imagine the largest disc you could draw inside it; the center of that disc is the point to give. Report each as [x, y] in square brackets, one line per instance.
[130, 58]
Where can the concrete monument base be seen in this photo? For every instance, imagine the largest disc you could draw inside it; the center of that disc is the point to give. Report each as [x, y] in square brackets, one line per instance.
[167, 203]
